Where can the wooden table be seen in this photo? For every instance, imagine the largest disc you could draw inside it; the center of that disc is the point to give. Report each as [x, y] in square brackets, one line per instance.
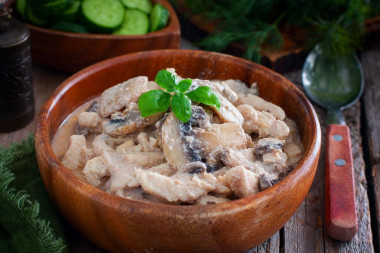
[304, 232]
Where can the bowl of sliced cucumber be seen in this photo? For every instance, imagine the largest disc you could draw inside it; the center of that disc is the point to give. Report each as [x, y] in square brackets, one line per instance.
[69, 35]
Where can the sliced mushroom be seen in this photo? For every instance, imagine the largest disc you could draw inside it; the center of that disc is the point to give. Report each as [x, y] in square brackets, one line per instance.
[266, 182]
[121, 95]
[227, 111]
[271, 151]
[216, 136]
[219, 86]
[127, 122]
[268, 145]
[179, 143]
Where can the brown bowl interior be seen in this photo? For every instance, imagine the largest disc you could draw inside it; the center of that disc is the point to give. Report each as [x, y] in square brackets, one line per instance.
[71, 52]
[118, 224]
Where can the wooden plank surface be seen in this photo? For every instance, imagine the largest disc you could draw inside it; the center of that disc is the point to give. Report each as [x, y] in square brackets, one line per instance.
[305, 230]
[372, 117]
[372, 101]
[269, 246]
[376, 182]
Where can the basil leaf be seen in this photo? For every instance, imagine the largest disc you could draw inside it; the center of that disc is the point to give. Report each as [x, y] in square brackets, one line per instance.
[166, 80]
[154, 101]
[184, 85]
[204, 95]
[181, 107]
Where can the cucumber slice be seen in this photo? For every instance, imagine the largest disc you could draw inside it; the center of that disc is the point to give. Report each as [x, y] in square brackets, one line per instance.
[135, 22]
[69, 27]
[102, 16]
[142, 5]
[21, 8]
[33, 18]
[158, 18]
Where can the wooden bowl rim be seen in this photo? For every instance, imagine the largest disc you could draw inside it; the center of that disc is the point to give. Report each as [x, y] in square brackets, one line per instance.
[172, 28]
[116, 202]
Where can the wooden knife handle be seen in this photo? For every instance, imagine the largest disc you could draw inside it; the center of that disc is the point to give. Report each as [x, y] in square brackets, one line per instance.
[340, 203]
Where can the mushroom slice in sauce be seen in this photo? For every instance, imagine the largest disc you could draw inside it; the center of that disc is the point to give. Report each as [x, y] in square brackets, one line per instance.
[229, 134]
[121, 95]
[227, 111]
[123, 123]
[219, 87]
[268, 145]
[179, 142]
[271, 151]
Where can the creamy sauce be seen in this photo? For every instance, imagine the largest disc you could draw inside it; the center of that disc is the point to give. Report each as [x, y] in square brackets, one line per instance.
[247, 146]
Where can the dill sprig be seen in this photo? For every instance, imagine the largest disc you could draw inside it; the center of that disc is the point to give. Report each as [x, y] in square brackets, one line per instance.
[337, 25]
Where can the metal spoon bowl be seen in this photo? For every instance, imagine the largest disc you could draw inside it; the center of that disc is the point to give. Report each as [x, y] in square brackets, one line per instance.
[333, 83]
[336, 83]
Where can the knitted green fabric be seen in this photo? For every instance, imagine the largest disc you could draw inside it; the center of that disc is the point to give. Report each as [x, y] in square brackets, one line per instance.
[28, 220]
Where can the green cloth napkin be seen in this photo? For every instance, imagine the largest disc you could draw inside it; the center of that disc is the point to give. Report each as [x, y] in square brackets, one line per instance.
[28, 220]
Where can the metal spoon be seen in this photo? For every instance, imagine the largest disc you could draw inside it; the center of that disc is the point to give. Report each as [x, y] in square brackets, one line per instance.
[335, 84]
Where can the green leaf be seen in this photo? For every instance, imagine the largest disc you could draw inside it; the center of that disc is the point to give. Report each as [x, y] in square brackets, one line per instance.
[205, 96]
[181, 107]
[154, 101]
[184, 85]
[167, 80]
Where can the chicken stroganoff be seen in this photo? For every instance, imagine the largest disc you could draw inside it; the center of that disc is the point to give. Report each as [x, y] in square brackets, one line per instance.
[245, 147]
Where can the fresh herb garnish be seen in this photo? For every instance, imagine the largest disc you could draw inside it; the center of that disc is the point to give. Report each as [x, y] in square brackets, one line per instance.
[176, 97]
[337, 25]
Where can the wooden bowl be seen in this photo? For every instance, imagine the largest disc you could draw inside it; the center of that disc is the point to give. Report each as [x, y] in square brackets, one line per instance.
[71, 52]
[121, 225]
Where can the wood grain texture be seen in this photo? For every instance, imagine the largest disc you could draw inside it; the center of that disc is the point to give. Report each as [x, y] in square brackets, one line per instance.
[376, 179]
[270, 245]
[341, 221]
[71, 51]
[118, 224]
[305, 232]
[372, 117]
[371, 101]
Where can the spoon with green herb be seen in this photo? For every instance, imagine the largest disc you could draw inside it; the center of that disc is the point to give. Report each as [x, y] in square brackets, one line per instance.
[177, 96]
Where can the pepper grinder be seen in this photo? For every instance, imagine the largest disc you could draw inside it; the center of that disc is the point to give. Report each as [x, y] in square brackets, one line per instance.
[16, 88]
